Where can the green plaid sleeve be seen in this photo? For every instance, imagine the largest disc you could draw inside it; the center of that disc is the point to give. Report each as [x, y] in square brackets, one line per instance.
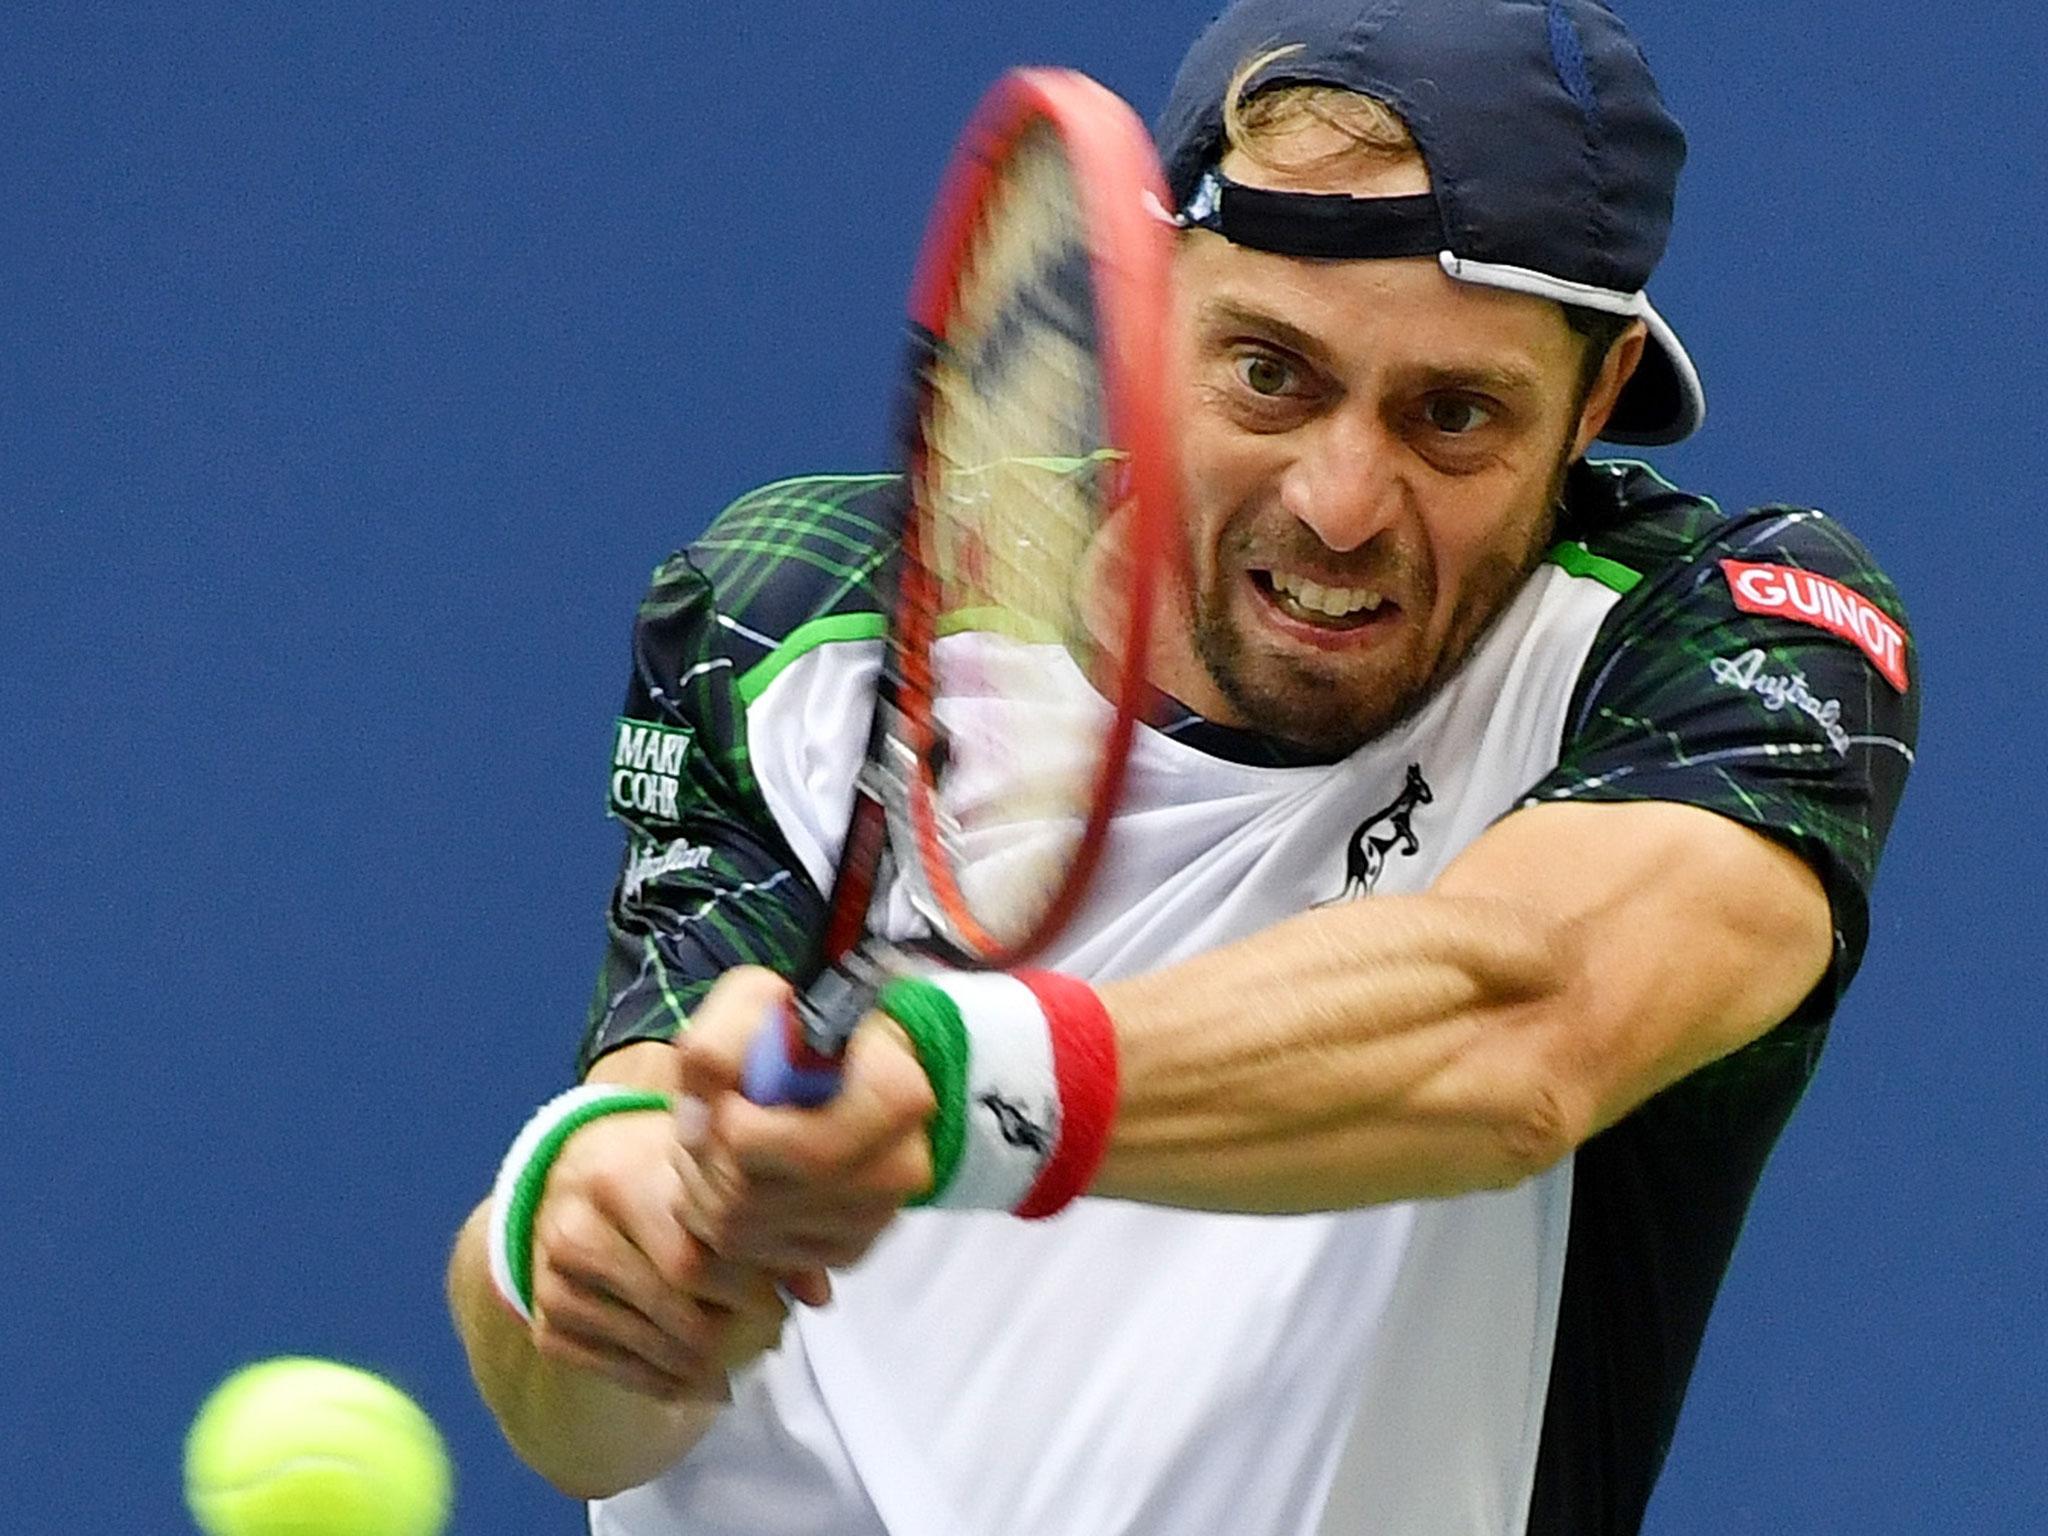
[706, 880]
[1766, 673]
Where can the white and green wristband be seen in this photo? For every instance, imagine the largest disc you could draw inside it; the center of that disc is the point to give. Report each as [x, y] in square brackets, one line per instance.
[523, 1175]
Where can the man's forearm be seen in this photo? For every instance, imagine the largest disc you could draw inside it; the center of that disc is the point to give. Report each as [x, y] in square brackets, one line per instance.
[1572, 962]
[1343, 1058]
[587, 1436]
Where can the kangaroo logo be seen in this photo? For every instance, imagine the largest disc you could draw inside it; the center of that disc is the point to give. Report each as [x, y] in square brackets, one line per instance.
[1379, 835]
[1016, 1125]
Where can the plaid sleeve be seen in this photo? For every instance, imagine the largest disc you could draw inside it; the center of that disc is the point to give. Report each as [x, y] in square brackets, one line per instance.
[1768, 676]
[707, 881]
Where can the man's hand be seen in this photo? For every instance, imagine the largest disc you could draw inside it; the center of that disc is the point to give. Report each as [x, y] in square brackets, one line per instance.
[795, 1188]
[636, 1322]
[622, 1290]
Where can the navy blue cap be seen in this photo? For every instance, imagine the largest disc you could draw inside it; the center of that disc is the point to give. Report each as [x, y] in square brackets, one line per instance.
[1552, 160]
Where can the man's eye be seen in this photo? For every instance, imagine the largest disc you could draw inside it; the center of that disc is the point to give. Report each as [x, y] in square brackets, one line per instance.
[1455, 415]
[1264, 375]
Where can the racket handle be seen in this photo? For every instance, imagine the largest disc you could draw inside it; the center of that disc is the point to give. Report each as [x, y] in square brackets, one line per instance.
[781, 1067]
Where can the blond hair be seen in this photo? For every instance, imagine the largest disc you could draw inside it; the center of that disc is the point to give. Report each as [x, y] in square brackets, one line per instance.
[1265, 126]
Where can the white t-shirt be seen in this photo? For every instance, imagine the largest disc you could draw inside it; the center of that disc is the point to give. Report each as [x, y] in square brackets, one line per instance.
[1123, 1370]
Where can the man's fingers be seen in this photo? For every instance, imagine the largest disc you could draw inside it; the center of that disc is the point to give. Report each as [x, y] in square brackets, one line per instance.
[664, 1326]
[713, 1051]
[822, 1250]
[568, 1306]
[736, 1287]
[588, 1276]
[886, 1154]
[624, 1245]
[812, 1287]
[873, 1128]
[643, 1217]
[704, 1205]
[783, 1225]
[793, 1189]
[694, 1293]
[564, 1342]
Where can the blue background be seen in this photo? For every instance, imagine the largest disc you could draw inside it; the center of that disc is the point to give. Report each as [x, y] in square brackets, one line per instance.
[359, 361]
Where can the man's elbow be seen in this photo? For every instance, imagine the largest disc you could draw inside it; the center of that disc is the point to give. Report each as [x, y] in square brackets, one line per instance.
[1544, 1099]
[1543, 1123]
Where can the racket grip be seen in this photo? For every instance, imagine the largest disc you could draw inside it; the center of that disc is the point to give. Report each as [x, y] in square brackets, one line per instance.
[781, 1068]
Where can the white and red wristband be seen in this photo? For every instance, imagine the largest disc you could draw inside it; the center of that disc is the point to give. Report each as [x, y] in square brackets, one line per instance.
[1024, 1067]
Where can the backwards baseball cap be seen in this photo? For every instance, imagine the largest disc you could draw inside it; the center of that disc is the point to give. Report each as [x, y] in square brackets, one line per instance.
[1552, 160]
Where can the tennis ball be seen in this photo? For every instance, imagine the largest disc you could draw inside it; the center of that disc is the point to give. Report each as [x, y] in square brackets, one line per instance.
[298, 1447]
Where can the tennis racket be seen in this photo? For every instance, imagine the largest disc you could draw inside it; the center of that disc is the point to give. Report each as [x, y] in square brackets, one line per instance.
[1039, 524]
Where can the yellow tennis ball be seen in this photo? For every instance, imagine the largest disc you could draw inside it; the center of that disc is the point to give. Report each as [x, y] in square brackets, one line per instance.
[298, 1447]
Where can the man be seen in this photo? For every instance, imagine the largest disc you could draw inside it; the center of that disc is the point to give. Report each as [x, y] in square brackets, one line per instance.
[1411, 1206]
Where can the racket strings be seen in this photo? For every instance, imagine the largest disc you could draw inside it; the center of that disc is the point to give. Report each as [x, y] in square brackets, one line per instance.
[1015, 410]
[1016, 490]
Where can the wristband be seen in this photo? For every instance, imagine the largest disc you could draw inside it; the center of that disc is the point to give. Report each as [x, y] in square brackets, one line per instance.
[524, 1174]
[1023, 1066]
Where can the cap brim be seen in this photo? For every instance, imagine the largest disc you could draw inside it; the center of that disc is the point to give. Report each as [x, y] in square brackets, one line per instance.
[1663, 401]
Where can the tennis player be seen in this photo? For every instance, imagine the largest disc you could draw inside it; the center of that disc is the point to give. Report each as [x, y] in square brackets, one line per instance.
[1469, 931]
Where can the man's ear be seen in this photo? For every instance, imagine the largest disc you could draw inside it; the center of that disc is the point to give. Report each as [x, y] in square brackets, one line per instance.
[1619, 366]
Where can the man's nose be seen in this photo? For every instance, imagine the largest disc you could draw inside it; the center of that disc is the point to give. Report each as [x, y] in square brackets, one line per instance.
[1345, 484]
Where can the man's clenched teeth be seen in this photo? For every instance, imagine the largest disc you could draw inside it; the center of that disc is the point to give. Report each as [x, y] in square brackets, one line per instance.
[1317, 601]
